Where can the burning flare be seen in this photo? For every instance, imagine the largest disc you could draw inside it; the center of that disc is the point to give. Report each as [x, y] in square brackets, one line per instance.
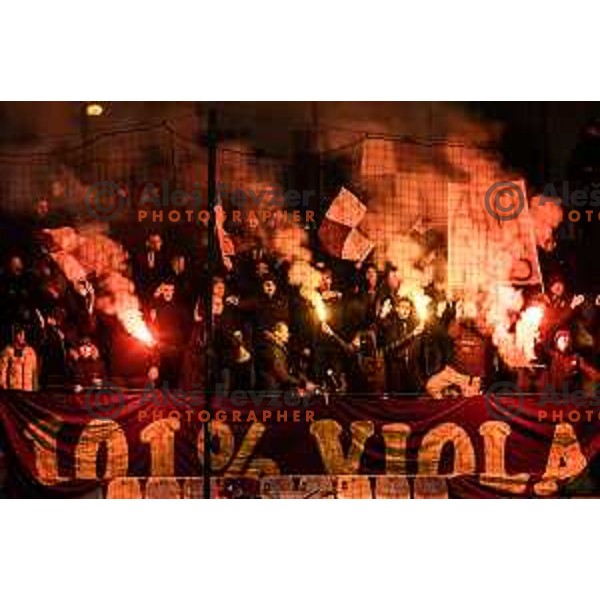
[528, 330]
[420, 300]
[89, 251]
[135, 326]
[320, 307]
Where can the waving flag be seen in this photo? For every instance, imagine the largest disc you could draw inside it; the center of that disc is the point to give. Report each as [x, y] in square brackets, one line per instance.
[339, 233]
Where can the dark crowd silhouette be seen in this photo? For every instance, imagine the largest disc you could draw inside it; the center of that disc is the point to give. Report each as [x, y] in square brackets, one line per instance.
[264, 333]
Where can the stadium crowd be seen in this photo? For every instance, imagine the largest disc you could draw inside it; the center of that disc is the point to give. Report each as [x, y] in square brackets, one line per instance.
[265, 334]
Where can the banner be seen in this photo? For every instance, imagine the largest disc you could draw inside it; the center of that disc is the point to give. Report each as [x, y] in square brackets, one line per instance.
[483, 238]
[138, 445]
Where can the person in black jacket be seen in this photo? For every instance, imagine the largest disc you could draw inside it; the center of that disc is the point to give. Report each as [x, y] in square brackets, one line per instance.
[171, 326]
[150, 267]
[180, 275]
[53, 353]
[86, 366]
[367, 296]
[16, 295]
[272, 367]
[266, 309]
[399, 332]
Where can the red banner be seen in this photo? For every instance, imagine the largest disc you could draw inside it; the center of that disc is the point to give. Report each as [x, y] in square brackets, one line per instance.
[134, 445]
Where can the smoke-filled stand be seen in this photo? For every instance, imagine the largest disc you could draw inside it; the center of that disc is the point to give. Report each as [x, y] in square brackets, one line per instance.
[310, 301]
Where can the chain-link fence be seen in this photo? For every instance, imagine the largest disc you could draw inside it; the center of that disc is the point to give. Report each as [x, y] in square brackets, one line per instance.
[415, 203]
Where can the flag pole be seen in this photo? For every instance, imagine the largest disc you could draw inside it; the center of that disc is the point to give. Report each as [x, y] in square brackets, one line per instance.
[212, 141]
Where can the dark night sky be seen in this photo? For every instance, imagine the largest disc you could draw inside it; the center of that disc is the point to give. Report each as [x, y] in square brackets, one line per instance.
[539, 137]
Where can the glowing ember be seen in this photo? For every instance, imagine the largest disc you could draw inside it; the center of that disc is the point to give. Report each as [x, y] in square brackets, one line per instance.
[528, 331]
[533, 316]
[320, 308]
[421, 302]
[135, 326]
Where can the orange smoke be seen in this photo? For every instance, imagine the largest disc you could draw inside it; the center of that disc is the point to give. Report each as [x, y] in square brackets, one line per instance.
[290, 243]
[546, 214]
[411, 194]
[88, 252]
